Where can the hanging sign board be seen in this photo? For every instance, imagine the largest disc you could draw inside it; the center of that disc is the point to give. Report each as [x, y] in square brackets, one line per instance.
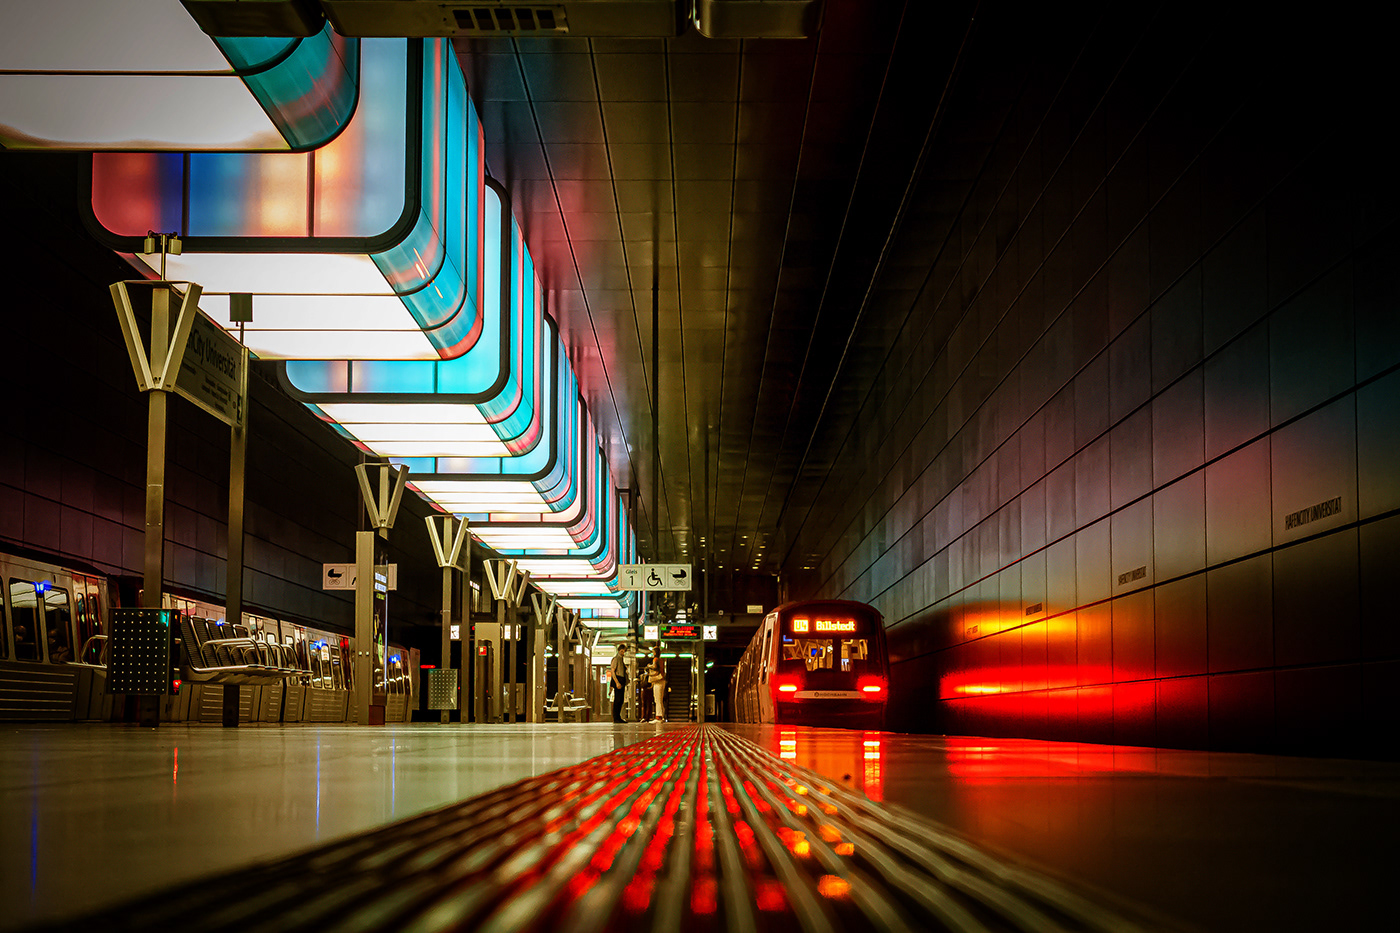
[200, 362]
[669, 577]
[211, 371]
[342, 576]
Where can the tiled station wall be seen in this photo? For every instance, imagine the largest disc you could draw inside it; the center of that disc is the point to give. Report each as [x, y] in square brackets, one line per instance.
[73, 441]
[1131, 470]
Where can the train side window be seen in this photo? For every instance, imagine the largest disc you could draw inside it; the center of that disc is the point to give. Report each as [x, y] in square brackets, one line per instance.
[763, 660]
[24, 617]
[58, 625]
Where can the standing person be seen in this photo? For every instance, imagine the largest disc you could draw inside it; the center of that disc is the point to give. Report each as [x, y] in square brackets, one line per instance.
[656, 673]
[617, 679]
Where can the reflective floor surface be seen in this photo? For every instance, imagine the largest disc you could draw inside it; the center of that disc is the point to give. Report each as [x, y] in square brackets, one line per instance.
[1213, 840]
[95, 813]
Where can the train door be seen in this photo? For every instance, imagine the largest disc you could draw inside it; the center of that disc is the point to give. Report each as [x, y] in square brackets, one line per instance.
[767, 709]
[88, 618]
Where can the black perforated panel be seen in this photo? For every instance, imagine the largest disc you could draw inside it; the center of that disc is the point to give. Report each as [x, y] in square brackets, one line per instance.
[442, 688]
[142, 648]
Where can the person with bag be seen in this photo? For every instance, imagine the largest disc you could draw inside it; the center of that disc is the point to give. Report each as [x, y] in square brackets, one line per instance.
[617, 678]
[656, 673]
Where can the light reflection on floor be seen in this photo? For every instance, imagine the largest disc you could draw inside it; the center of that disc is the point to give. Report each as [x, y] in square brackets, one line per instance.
[1221, 841]
[94, 813]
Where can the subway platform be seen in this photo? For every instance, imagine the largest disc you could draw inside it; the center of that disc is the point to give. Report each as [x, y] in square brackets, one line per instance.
[677, 827]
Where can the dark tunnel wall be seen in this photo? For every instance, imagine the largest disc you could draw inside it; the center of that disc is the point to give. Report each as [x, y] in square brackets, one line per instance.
[73, 443]
[1130, 471]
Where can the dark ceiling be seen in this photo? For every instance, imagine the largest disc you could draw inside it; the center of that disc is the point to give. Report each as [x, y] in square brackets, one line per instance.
[751, 190]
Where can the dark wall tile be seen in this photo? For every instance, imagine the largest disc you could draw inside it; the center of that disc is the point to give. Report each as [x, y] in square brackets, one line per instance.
[1178, 428]
[1130, 452]
[1242, 711]
[1238, 504]
[1091, 557]
[1316, 603]
[1378, 444]
[1380, 708]
[1309, 227]
[1176, 330]
[1183, 713]
[1134, 636]
[1379, 570]
[1092, 482]
[1318, 709]
[1179, 527]
[1312, 354]
[1237, 392]
[1234, 290]
[1240, 616]
[1130, 369]
[1376, 298]
[1179, 610]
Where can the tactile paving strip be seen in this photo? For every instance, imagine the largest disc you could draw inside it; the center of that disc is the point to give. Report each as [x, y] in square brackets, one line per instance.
[695, 829]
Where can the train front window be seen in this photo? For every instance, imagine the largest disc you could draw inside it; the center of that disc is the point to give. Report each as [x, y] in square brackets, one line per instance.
[843, 655]
[24, 619]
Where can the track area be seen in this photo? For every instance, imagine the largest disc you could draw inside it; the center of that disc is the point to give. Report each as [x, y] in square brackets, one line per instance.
[693, 829]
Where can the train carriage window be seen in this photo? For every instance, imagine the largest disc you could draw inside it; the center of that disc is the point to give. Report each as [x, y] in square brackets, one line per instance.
[24, 619]
[58, 625]
[847, 655]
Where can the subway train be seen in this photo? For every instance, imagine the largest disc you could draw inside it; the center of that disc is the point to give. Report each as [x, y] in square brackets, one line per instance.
[54, 624]
[820, 663]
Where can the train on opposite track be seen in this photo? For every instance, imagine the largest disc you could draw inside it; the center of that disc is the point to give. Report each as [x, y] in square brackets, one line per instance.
[819, 663]
[54, 624]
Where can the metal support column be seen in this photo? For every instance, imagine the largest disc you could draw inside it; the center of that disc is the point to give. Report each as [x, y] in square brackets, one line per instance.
[153, 569]
[364, 624]
[233, 589]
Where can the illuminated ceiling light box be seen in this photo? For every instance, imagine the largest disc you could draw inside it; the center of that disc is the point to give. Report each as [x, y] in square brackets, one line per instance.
[370, 247]
[571, 576]
[505, 382]
[594, 557]
[139, 74]
[533, 465]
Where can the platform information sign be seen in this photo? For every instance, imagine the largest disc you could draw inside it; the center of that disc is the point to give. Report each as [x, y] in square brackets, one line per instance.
[211, 370]
[342, 576]
[669, 577]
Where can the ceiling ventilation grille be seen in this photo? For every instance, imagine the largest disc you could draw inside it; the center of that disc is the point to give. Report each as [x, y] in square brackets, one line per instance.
[498, 20]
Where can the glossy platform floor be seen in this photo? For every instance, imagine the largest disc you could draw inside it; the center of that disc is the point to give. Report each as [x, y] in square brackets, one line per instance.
[92, 814]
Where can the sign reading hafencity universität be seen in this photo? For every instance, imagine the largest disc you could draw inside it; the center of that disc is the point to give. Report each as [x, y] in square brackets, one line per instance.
[211, 371]
[199, 360]
[668, 577]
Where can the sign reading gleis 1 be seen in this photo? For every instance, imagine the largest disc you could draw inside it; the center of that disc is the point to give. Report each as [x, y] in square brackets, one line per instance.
[822, 626]
[653, 576]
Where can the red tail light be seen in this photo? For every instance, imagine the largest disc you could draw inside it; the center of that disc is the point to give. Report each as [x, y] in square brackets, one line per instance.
[871, 686]
[788, 685]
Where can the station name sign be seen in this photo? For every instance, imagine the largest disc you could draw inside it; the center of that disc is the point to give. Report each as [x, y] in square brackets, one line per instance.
[822, 626]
